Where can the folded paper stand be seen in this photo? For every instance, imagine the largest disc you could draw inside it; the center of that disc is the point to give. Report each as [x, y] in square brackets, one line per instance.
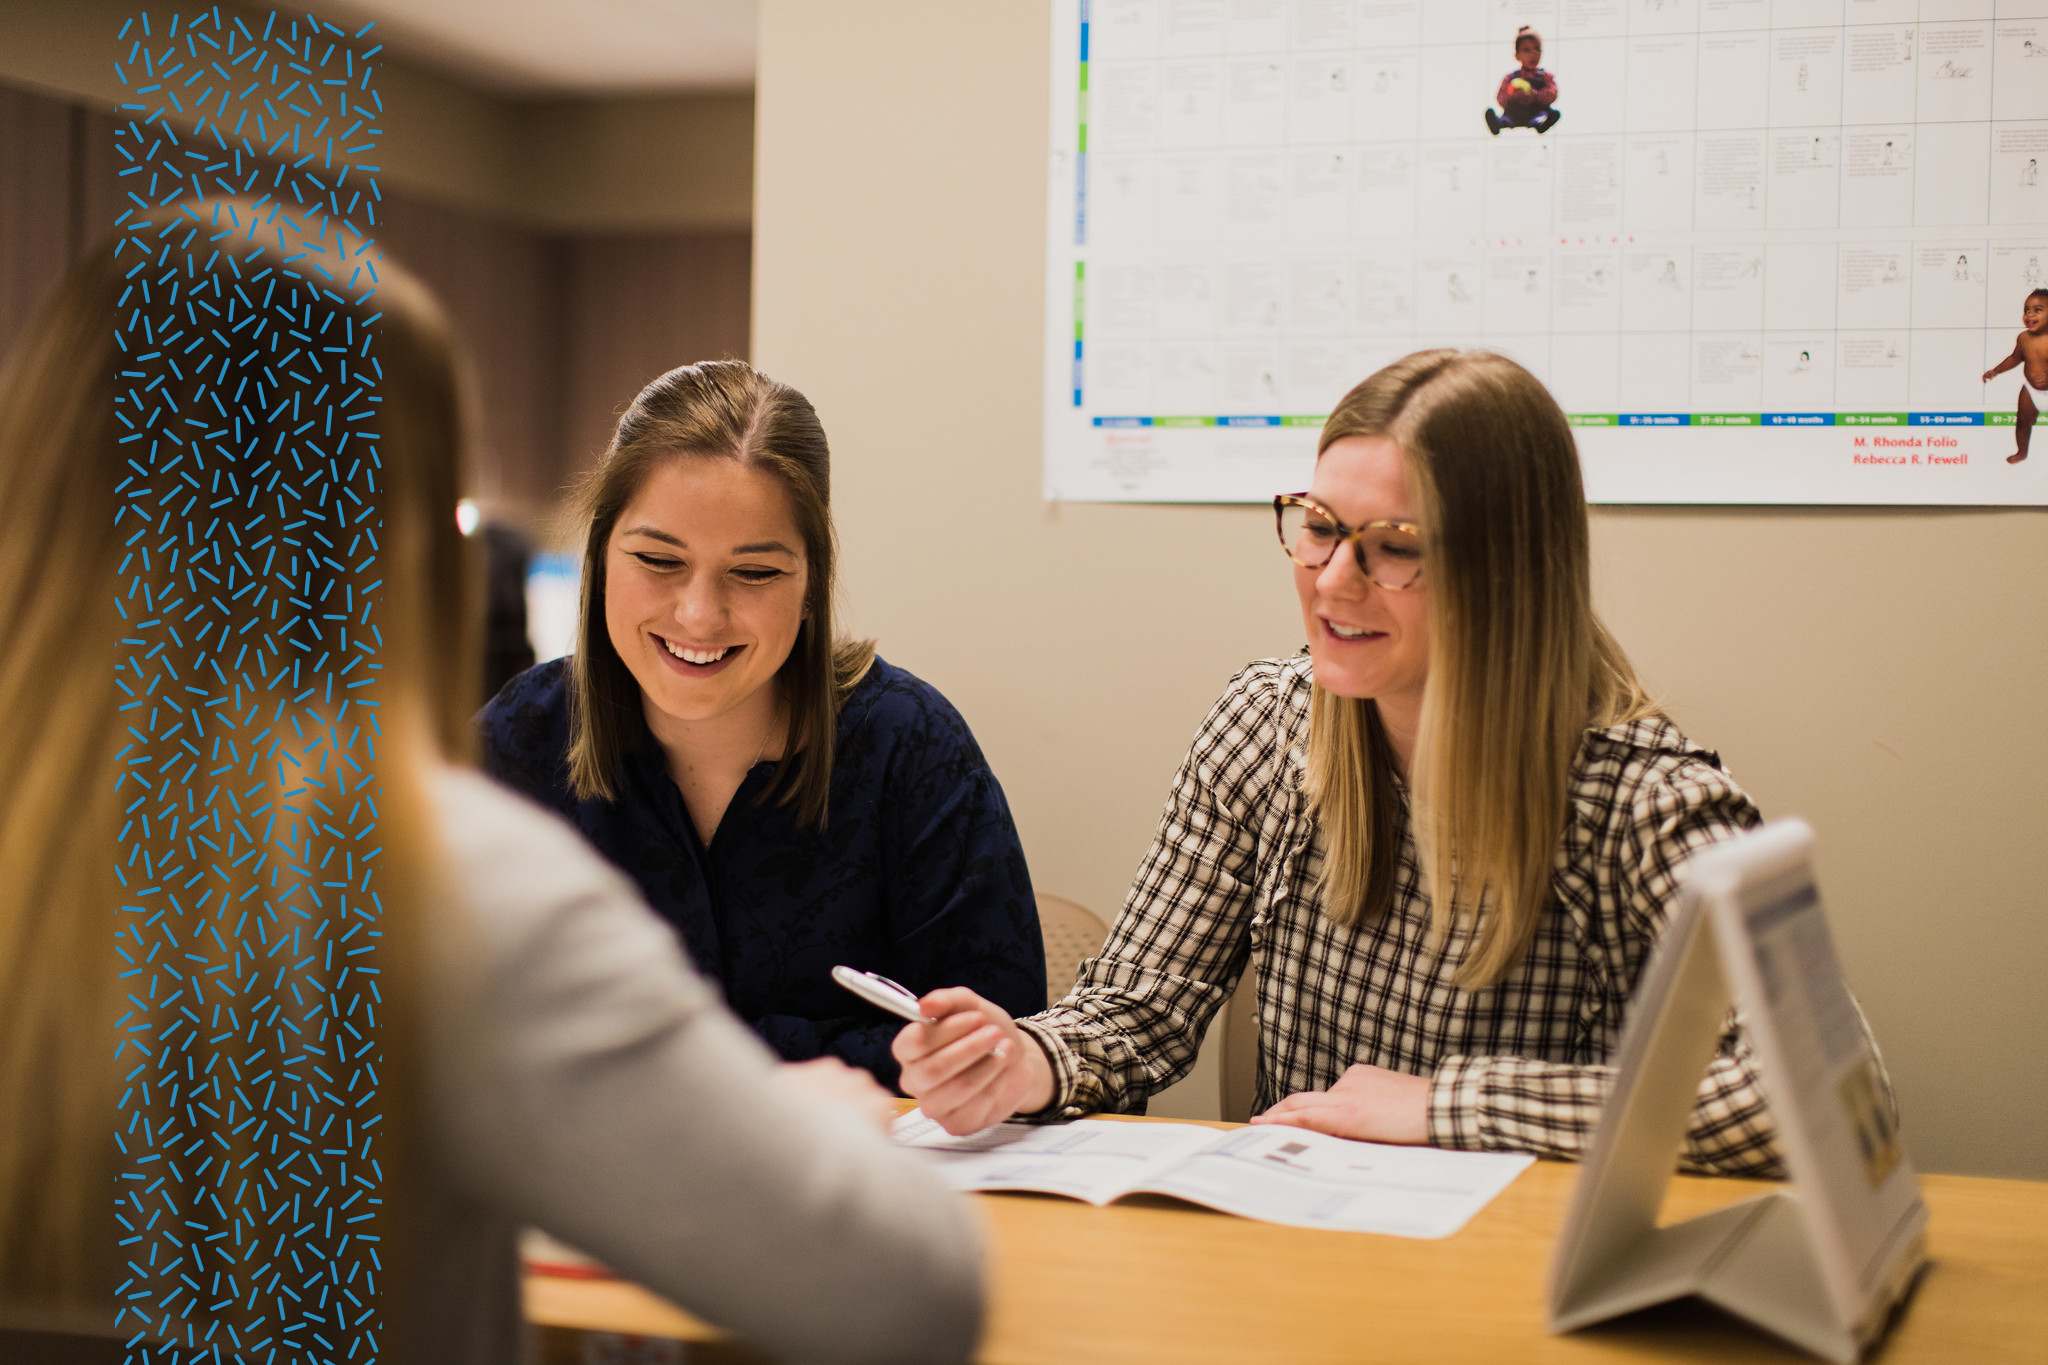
[1821, 1264]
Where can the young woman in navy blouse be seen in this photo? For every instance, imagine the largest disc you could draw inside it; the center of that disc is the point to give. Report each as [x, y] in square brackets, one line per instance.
[784, 798]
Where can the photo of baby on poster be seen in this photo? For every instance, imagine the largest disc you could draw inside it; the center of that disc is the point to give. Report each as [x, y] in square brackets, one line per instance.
[1528, 94]
[2030, 356]
[1760, 262]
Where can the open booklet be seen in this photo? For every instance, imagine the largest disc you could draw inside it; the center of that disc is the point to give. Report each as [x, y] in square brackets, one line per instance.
[1271, 1172]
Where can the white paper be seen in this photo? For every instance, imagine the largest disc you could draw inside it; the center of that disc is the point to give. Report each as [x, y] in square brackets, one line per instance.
[1273, 1173]
[1088, 1159]
[1733, 261]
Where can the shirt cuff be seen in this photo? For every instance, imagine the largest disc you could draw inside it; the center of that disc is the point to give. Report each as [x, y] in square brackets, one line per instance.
[1066, 1074]
[1455, 1119]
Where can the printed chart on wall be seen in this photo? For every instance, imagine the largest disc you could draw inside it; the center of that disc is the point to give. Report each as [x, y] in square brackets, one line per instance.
[1762, 251]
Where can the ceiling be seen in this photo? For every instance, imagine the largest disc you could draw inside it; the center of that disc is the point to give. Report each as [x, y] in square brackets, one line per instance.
[542, 48]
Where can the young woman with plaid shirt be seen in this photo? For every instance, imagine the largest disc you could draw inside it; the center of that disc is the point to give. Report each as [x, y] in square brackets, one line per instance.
[1443, 840]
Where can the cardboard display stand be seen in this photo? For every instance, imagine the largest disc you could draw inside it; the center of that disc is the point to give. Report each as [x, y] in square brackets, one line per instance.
[1822, 1263]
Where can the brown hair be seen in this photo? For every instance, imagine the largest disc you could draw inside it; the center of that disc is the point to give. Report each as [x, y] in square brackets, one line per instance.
[1525, 34]
[58, 987]
[1519, 664]
[58, 991]
[716, 410]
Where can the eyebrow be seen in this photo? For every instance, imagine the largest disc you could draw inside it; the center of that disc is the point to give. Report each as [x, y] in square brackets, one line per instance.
[757, 547]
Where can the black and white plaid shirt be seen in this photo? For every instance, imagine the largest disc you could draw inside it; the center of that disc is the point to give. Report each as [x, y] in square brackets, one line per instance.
[1230, 882]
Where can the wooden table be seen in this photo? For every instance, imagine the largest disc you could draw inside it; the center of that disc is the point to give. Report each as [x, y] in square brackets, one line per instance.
[1152, 1280]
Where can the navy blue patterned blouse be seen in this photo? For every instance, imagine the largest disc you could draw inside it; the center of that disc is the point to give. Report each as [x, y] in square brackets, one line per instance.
[917, 873]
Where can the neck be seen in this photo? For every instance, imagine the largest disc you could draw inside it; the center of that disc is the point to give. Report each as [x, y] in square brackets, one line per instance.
[733, 739]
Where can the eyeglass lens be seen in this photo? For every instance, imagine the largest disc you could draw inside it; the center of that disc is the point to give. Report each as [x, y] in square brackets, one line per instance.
[1390, 556]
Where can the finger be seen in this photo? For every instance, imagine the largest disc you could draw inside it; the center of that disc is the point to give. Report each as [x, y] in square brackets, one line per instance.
[1325, 1118]
[930, 1073]
[954, 999]
[1296, 1100]
[916, 1041]
[972, 1100]
[978, 1093]
[1293, 1105]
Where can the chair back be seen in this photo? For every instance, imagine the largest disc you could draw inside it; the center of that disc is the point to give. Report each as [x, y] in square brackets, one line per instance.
[1240, 1061]
[1073, 934]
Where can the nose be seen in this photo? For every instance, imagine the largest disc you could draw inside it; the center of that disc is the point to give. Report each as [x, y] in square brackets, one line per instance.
[700, 607]
[1344, 575]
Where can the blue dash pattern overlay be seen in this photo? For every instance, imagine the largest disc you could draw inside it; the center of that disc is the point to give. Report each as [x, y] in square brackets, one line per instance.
[250, 1191]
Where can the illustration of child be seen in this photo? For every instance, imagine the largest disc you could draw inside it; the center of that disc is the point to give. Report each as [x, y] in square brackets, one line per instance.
[1528, 93]
[2030, 354]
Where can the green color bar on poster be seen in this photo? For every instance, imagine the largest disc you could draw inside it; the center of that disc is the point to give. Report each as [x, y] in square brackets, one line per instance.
[1081, 112]
[2001, 419]
[1727, 419]
[1080, 294]
[1594, 419]
[1183, 421]
[1304, 421]
[1870, 419]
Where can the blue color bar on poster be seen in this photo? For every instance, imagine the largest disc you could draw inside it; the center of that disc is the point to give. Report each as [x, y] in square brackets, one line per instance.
[1247, 421]
[1946, 419]
[1656, 419]
[1799, 419]
[1123, 421]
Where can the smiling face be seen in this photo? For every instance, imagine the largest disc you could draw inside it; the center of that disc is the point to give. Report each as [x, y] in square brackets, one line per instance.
[2034, 314]
[1365, 640]
[705, 578]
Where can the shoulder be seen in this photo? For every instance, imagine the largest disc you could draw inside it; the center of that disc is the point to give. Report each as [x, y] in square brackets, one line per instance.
[524, 730]
[891, 703]
[542, 688]
[1269, 697]
[1258, 728]
[1647, 777]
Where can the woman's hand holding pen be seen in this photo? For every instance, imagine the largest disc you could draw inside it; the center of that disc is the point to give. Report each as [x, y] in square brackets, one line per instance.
[974, 1066]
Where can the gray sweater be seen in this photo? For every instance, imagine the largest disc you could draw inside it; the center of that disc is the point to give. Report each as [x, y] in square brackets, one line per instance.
[586, 1080]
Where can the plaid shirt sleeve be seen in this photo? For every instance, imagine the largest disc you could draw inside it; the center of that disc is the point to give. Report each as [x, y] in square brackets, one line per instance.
[1135, 1019]
[1552, 1108]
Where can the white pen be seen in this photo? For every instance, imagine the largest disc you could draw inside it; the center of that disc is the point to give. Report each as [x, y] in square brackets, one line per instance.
[880, 991]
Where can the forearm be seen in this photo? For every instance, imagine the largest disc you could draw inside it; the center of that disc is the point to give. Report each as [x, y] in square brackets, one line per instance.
[724, 1201]
[1123, 1037]
[1552, 1109]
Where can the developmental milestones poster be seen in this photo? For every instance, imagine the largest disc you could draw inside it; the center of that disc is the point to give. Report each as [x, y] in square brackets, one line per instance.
[1761, 250]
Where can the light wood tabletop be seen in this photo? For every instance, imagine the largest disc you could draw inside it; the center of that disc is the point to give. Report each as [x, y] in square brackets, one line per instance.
[1150, 1279]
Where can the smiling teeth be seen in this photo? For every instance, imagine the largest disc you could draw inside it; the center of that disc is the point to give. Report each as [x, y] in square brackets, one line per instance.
[697, 656]
[1347, 632]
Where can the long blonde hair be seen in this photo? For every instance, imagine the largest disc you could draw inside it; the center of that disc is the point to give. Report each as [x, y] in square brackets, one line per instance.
[1520, 665]
[59, 464]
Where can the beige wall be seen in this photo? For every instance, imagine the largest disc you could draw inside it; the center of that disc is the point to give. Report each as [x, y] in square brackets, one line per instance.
[1884, 674]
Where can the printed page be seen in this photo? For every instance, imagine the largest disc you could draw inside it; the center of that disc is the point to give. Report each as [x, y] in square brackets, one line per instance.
[1841, 1143]
[1304, 1179]
[1090, 1159]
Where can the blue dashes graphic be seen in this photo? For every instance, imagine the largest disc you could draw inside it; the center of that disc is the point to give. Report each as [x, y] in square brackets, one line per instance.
[250, 1183]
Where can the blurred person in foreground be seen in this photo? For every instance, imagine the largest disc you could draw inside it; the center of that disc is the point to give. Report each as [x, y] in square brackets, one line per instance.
[549, 1055]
